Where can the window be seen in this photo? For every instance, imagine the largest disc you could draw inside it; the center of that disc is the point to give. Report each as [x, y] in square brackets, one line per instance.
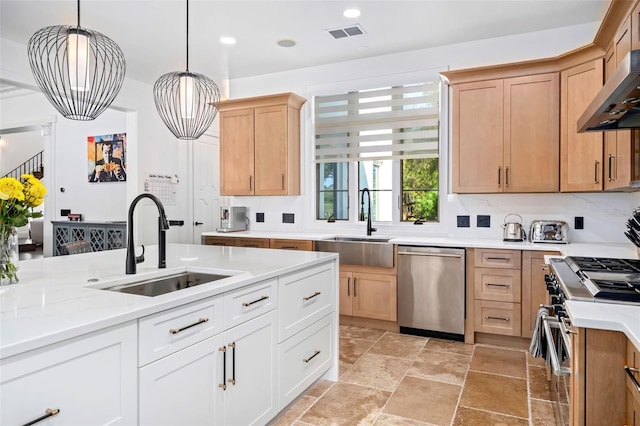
[390, 135]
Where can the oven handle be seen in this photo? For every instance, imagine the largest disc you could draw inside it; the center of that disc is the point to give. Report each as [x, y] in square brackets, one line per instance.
[558, 370]
[566, 332]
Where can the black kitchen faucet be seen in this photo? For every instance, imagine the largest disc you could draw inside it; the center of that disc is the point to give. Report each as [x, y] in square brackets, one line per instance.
[163, 225]
[370, 228]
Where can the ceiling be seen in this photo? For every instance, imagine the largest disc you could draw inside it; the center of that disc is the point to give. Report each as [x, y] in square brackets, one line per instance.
[152, 33]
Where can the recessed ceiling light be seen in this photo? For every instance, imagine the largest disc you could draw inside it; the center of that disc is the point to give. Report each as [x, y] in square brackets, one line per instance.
[227, 40]
[286, 43]
[351, 13]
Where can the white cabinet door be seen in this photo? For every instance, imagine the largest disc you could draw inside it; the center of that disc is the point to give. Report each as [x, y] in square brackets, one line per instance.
[91, 380]
[183, 388]
[250, 395]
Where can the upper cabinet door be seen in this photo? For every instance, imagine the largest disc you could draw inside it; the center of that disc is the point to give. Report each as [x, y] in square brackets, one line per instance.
[237, 152]
[271, 150]
[581, 167]
[532, 133]
[477, 126]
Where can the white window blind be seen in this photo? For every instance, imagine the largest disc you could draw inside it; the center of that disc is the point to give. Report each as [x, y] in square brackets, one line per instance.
[379, 124]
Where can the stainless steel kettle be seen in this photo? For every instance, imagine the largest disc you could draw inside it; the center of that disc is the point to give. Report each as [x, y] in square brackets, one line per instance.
[513, 231]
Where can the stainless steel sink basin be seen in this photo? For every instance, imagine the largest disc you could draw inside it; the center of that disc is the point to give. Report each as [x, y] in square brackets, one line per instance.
[365, 251]
[158, 286]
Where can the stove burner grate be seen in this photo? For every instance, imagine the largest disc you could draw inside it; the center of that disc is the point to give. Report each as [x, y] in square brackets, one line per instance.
[595, 264]
[617, 290]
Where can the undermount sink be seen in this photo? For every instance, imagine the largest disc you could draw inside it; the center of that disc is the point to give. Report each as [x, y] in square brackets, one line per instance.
[163, 285]
[365, 251]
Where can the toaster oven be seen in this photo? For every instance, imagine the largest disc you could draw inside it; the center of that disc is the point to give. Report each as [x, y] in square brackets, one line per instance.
[549, 231]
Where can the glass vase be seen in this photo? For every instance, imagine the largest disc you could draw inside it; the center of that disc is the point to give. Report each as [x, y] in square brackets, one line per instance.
[9, 255]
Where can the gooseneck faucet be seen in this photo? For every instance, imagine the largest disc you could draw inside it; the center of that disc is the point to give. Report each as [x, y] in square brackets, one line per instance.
[370, 228]
[163, 225]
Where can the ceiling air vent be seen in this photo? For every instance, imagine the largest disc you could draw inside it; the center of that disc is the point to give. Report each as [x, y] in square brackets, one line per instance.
[351, 31]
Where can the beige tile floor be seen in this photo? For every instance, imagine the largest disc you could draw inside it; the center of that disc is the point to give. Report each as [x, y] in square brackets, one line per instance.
[394, 379]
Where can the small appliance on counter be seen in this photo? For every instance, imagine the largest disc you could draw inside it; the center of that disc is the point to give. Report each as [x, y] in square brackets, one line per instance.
[549, 231]
[233, 219]
[513, 231]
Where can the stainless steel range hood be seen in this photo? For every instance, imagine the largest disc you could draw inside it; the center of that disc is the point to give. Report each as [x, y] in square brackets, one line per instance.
[617, 105]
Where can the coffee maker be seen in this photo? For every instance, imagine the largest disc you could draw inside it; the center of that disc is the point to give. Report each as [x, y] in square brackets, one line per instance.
[233, 219]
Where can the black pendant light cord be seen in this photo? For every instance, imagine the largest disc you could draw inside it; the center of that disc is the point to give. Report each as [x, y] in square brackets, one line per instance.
[78, 14]
[187, 35]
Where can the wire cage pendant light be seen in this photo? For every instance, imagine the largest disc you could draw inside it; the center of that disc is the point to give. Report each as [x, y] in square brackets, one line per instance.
[186, 101]
[80, 71]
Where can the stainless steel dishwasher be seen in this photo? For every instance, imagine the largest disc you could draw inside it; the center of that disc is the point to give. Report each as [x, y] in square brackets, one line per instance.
[431, 291]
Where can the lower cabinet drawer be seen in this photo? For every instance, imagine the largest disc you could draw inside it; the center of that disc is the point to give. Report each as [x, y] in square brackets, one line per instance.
[250, 302]
[498, 284]
[305, 297]
[169, 331]
[497, 317]
[303, 359]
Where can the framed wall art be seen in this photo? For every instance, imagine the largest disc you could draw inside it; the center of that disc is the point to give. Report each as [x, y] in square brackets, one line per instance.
[107, 158]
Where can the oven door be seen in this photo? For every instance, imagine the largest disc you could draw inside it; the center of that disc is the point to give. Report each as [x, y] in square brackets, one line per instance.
[559, 356]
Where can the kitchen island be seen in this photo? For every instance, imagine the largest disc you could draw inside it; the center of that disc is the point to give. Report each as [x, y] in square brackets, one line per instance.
[196, 355]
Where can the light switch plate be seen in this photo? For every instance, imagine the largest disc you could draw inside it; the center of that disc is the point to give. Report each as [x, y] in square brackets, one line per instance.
[463, 221]
[288, 218]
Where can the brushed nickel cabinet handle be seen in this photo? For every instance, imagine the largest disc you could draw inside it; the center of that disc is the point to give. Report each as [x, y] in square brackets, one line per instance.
[595, 167]
[506, 177]
[283, 181]
[317, 293]
[497, 285]
[178, 330]
[312, 356]
[255, 301]
[290, 247]
[49, 412]
[630, 371]
[506, 259]
[250, 183]
[349, 286]
[251, 245]
[232, 380]
[354, 288]
[499, 176]
[496, 318]
[223, 385]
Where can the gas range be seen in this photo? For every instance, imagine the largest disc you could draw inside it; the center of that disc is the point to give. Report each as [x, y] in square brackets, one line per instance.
[596, 279]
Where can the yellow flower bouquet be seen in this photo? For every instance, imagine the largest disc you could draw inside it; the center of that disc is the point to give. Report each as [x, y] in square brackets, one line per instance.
[17, 200]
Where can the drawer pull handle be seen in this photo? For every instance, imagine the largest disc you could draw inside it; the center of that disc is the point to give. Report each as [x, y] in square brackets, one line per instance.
[496, 318]
[223, 385]
[255, 301]
[317, 293]
[497, 285]
[312, 356]
[290, 247]
[251, 245]
[354, 288]
[49, 412]
[630, 371]
[178, 330]
[232, 380]
[506, 259]
[348, 286]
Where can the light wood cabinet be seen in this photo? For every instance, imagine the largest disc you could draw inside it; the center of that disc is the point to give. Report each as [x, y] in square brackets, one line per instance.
[581, 154]
[368, 295]
[633, 394]
[91, 379]
[506, 135]
[597, 368]
[534, 289]
[260, 145]
[285, 244]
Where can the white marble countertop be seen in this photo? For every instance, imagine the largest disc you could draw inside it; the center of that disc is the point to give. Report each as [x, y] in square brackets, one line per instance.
[607, 316]
[58, 298]
[619, 250]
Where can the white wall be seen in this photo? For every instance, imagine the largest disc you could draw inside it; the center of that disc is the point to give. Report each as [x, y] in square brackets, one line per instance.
[604, 214]
[17, 148]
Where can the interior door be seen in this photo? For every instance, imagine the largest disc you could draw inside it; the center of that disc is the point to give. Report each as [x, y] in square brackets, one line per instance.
[206, 185]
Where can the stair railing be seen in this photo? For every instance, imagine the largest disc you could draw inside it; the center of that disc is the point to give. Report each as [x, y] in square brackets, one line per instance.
[32, 166]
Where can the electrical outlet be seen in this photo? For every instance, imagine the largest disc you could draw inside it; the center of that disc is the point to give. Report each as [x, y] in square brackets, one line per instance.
[578, 222]
[288, 218]
[464, 221]
[259, 217]
[65, 212]
[483, 221]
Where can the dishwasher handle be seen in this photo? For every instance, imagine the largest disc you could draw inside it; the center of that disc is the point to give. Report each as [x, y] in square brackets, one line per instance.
[413, 253]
